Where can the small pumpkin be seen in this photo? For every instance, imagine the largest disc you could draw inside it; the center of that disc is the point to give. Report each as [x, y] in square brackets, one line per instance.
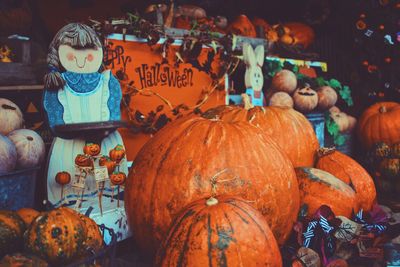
[341, 120]
[380, 123]
[117, 154]
[118, 178]
[327, 97]
[22, 260]
[285, 81]
[302, 34]
[8, 155]
[390, 168]
[12, 228]
[281, 99]
[10, 117]
[57, 236]
[83, 160]
[334, 109]
[349, 171]
[63, 178]
[242, 26]
[28, 215]
[30, 147]
[219, 231]
[395, 150]
[107, 162]
[381, 150]
[91, 149]
[318, 187]
[305, 99]
[94, 240]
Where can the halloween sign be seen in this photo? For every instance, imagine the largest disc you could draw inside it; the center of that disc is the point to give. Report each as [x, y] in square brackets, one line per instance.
[158, 86]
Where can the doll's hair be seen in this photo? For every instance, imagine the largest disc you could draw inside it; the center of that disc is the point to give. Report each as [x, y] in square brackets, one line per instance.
[76, 35]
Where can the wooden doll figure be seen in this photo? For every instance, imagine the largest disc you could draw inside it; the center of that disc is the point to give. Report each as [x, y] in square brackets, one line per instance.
[254, 79]
[76, 92]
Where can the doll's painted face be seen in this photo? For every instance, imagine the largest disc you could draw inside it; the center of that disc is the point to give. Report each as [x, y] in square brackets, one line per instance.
[80, 60]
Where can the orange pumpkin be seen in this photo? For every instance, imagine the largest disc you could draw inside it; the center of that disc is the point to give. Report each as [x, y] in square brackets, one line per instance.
[57, 236]
[192, 157]
[107, 162]
[279, 124]
[318, 188]
[380, 123]
[217, 232]
[12, 228]
[83, 161]
[94, 239]
[91, 149]
[117, 153]
[350, 172]
[242, 26]
[118, 178]
[63, 178]
[28, 215]
[302, 34]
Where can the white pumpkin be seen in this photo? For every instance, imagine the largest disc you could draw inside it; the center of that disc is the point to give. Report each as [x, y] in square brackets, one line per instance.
[285, 81]
[30, 147]
[10, 116]
[281, 99]
[8, 155]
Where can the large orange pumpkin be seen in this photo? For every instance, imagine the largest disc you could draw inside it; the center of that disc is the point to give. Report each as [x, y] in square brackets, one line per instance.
[57, 236]
[319, 188]
[349, 171]
[302, 34]
[220, 231]
[12, 228]
[242, 26]
[380, 123]
[289, 129]
[28, 215]
[192, 157]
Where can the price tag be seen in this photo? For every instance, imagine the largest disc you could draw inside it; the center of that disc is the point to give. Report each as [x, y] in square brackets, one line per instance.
[80, 179]
[348, 229]
[100, 174]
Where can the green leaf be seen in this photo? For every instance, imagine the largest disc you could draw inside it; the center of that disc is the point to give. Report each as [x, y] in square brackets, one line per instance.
[345, 94]
[321, 81]
[295, 69]
[334, 83]
[300, 76]
[339, 140]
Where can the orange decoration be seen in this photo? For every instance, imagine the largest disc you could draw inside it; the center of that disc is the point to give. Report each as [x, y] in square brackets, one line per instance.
[349, 171]
[380, 123]
[263, 24]
[94, 239]
[83, 161]
[91, 149]
[63, 178]
[117, 154]
[279, 124]
[28, 215]
[194, 157]
[302, 34]
[107, 162]
[118, 178]
[361, 25]
[318, 188]
[196, 236]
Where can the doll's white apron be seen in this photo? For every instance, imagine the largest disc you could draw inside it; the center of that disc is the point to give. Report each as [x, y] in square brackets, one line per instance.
[86, 107]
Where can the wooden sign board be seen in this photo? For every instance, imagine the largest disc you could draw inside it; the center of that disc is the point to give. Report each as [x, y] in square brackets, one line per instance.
[159, 83]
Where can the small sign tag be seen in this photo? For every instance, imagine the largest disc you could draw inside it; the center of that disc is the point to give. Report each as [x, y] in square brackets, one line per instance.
[100, 174]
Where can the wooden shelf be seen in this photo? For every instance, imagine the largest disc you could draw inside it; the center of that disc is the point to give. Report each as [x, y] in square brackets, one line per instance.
[21, 87]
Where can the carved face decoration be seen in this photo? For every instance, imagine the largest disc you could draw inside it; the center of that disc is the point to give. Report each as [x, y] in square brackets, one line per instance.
[117, 154]
[91, 149]
[118, 178]
[80, 60]
[83, 161]
[305, 99]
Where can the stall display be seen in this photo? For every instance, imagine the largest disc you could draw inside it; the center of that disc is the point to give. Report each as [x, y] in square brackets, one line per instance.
[83, 110]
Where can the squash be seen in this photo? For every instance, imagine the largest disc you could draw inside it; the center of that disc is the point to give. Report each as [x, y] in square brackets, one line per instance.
[57, 236]
[12, 228]
[281, 99]
[302, 34]
[380, 123]
[22, 260]
[390, 168]
[341, 120]
[305, 99]
[242, 26]
[28, 215]
[30, 148]
[349, 171]
[318, 188]
[279, 124]
[10, 117]
[94, 240]
[219, 231]
[8, 155]
[285, 81]
[327, 97]
[192, 157]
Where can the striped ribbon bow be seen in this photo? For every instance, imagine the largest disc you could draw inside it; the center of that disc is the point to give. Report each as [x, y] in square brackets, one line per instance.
[376, 228]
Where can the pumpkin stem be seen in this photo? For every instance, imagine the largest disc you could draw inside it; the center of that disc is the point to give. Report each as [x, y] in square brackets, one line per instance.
[5, 106]
[246, 101]
[214, 181]
[382, 109]
[324, 151]
[212, 201]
